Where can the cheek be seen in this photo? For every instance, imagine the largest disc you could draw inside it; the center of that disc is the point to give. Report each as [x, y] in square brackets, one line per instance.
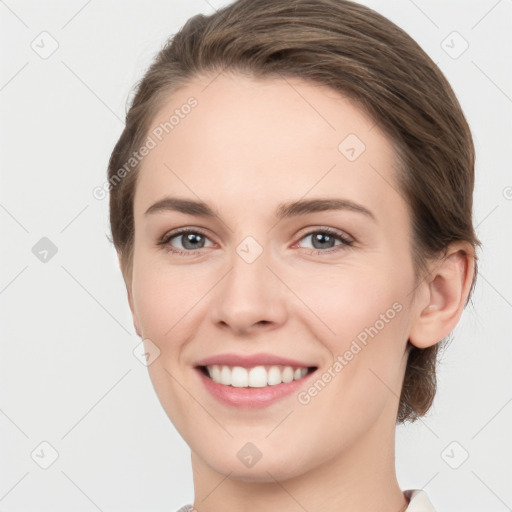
[151, 300]
[364, 322]
[164, 297]
[347, 300]
[164, 300]
[364, 378]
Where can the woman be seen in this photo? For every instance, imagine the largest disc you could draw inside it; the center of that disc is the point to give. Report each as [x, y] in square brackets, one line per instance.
[291, 203]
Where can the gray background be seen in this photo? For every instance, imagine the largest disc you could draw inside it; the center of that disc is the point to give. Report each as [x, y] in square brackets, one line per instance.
[68, 373]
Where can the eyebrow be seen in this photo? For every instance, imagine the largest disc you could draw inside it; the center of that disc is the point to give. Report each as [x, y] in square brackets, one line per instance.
[284, 210]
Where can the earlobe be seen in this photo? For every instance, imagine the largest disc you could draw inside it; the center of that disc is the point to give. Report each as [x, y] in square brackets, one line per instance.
[447, 288]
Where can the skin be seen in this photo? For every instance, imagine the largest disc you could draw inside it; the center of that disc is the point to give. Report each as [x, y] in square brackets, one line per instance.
[248, 146]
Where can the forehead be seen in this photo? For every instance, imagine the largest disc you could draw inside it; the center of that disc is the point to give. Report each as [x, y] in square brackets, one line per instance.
[230, 137]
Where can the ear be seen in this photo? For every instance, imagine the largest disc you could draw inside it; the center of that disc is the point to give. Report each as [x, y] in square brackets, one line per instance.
[127, 282]
[444, 293]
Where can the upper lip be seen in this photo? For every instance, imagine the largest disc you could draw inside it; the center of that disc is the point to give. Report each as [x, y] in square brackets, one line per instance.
[249, 361]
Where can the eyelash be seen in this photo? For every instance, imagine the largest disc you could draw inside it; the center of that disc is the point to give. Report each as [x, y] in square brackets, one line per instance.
[345, 241]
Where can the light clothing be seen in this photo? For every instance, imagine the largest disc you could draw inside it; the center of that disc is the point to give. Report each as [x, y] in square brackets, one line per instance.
[418, 502]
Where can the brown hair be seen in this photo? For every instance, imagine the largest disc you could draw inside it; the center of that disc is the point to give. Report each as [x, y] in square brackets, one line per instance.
[367, 58]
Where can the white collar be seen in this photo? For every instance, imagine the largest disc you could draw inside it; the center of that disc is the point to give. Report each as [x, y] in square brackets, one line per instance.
[419, 501]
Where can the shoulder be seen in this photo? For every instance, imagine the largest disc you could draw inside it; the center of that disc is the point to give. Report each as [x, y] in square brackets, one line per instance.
[418, 501]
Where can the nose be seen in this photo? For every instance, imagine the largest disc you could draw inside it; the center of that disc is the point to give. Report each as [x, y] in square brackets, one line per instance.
[249, 298]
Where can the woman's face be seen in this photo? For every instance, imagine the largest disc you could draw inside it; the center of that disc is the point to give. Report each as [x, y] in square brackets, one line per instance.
[262, 276]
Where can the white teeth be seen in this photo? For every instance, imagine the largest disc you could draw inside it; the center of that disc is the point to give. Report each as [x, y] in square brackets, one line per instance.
[225, 375]
[215, 373]
[239, 377]
[287, 374]
[256, 377]
[274, 376]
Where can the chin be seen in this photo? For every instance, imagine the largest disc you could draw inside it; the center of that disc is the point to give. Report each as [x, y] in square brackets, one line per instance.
[273, 467]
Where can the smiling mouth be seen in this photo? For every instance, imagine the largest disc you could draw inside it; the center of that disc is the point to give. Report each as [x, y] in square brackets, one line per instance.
[255, 377]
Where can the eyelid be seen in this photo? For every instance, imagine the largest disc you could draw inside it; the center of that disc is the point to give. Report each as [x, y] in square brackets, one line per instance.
[185, 229]
[166, 238]
[346, 240]
[330, 231]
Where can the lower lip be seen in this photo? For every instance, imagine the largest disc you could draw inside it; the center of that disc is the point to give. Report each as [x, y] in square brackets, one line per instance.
[251, 398]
